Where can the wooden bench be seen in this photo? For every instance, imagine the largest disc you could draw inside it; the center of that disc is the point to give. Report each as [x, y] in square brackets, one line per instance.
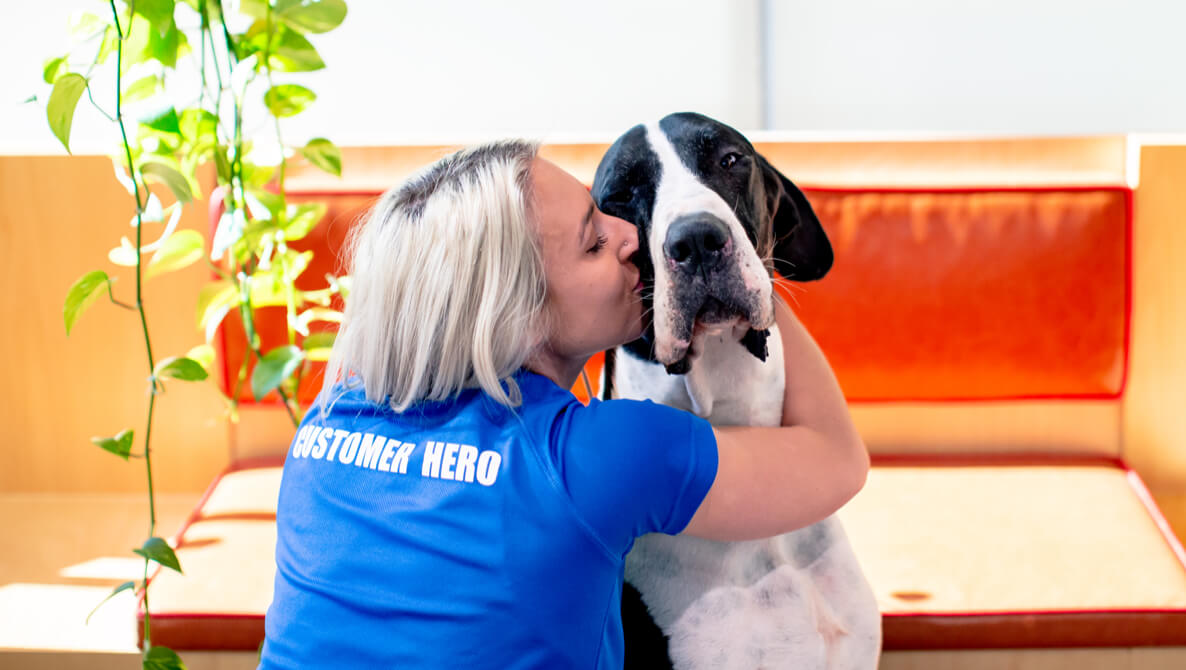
[983, 337]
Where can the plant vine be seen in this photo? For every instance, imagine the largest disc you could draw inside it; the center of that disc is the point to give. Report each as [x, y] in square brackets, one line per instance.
[249, 253]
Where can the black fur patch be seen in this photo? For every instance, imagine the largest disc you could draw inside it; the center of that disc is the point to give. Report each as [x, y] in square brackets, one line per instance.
[755, 342]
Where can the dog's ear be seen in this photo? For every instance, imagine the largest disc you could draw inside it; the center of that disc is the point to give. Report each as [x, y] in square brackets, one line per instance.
[802, 251]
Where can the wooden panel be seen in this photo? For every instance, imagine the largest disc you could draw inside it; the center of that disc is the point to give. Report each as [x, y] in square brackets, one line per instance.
[1155, 400]
[59, 216]
[807, 159]
[949, 162]
[1034, 426]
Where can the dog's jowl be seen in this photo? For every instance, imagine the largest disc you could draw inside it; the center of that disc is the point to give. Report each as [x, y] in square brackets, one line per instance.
[715, 221]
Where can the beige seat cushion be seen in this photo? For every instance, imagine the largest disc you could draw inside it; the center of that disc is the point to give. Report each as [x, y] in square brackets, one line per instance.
[1016, 556]
[972, 556]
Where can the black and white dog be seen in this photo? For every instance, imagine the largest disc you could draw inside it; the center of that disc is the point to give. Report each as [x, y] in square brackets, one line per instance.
[714, 219]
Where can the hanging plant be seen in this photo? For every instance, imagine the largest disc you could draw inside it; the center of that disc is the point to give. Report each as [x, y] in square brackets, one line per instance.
[183, 82]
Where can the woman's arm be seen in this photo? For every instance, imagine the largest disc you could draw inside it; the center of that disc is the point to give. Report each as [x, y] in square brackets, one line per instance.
[774, 480]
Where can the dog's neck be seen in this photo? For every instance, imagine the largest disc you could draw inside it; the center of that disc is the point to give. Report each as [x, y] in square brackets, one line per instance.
[725, 383]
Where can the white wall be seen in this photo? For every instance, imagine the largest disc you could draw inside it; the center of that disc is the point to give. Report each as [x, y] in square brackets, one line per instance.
[412, 70]
[415, 70]
[995, 66]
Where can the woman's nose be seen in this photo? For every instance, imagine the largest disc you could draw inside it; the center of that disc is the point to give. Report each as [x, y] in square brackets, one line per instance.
[629, 239]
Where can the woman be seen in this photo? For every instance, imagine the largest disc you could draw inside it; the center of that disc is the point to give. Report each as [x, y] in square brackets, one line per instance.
[452, 505]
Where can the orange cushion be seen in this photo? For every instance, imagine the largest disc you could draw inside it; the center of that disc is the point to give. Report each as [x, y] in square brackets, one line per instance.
[993, 294]
[985, 294]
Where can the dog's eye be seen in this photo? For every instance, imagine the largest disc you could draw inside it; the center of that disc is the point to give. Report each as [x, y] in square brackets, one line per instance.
[729, 160]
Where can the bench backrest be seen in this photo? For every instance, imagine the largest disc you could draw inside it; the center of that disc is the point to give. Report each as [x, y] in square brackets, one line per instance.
[959, 309]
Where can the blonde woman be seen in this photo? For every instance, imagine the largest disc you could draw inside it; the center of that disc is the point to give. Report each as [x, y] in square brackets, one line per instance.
[452, 505]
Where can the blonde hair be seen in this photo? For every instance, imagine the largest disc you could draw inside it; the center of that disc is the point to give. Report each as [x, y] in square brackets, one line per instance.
[448, 284]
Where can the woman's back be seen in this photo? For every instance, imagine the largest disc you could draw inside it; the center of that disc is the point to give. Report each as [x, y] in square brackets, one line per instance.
[460, 534]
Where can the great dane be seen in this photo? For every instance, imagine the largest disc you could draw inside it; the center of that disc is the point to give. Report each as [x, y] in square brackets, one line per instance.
[714, 219]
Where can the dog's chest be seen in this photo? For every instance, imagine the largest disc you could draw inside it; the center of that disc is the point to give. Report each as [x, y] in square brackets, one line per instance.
[726, 385]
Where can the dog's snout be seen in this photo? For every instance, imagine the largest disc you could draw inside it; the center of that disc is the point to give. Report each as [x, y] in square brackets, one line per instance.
[696, 242]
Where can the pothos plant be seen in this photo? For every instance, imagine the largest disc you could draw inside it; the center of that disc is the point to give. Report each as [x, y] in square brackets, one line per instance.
[184, 82]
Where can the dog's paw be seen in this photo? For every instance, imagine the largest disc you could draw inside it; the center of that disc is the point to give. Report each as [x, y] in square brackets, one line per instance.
[771, 624]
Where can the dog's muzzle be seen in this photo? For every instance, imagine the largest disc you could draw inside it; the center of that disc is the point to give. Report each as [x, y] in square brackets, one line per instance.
[706, 288]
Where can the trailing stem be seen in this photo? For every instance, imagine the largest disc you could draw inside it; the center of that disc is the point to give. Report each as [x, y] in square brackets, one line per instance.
[140, 309]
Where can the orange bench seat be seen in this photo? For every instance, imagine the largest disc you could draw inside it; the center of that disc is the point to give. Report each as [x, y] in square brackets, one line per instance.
[982, 338]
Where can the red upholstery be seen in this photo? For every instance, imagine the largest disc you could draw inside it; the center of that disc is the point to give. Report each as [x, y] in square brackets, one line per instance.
[940, 295]
[981, 294]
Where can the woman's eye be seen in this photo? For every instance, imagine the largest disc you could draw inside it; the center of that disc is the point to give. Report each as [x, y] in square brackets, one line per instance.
[599, 245]
[729, 160]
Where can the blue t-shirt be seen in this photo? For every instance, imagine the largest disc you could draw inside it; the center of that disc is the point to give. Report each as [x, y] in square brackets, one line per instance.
[462, 535]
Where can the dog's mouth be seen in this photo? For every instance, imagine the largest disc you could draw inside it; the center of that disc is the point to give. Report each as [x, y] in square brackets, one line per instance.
[713, 312]
[737, 315]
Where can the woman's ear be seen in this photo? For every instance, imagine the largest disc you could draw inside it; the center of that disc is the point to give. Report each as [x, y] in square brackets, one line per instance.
[802, 251]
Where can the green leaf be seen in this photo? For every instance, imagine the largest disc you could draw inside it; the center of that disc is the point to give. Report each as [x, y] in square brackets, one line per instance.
[162, 658]
[256, 9]
[324, 154]
[52, 68]
[300, 322]
[203, 355]
[257, 175]
[288, 99]
[80, 296]
[222, 164]
[200, 128]
[156, 549]
[293, 53]
[182, 249]
[83, 25]
[62, 100]
[144, 41]
[120, 445]
[314, 16]
[214, 301]
[116, 591]
[185, 369]
[318, 346]
[165, 122]
[158, 12]
[303, 219]
[273, 368]
[271, 202]
[144, 87]
[170, 177]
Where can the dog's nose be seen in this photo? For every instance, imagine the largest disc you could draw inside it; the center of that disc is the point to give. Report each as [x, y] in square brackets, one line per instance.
[696, 242]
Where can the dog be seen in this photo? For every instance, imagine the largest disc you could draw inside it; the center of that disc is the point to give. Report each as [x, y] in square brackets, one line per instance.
[714, 218]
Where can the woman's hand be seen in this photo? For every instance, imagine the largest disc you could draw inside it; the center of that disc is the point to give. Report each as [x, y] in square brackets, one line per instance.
[774, 480]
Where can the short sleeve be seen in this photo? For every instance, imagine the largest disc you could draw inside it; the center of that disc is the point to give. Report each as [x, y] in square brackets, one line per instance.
[633, 467]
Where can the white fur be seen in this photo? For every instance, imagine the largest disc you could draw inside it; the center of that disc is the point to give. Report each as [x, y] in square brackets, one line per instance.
[679, 192]
[798, 600]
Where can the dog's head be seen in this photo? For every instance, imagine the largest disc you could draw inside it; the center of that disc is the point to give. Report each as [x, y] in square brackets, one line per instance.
[714, 218]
